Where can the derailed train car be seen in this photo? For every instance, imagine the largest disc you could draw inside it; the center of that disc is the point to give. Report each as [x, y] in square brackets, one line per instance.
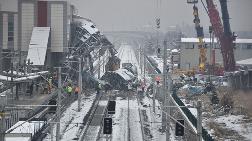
[120, 79]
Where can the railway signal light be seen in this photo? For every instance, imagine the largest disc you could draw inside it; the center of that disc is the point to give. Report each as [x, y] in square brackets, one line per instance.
[111, 107]
[179, 129]
[107, 126]
[158, 22]
[192, 1]
[52, 109]
[158, 50]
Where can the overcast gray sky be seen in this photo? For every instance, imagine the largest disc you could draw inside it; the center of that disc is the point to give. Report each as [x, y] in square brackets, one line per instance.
[140, 14]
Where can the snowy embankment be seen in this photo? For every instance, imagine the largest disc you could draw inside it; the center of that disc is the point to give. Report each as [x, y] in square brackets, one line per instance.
[158, 61]
[126, 124]
[155, 120]
[71, 120]
[219, 125]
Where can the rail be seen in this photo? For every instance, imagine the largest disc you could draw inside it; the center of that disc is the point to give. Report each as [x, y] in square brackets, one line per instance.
[89, 116]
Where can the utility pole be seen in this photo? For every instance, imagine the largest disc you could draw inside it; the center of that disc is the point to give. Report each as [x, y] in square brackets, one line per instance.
[1, 61]
[165, 118]
[144, 61]
[199, 121]
[59, 106]
[139, 58]
[80, 84]
[2, 124]
[210, 53]
[99, 63]
[12, 93]
[154, 97]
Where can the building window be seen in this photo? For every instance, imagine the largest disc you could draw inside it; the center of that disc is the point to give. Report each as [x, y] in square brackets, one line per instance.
[249, 46]
[10, 30]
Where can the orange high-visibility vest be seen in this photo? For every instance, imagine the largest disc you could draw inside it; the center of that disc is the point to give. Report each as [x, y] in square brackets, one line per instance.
[77, 89]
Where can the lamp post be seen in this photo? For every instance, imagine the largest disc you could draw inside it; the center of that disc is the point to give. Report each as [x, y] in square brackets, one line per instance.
[210, 53]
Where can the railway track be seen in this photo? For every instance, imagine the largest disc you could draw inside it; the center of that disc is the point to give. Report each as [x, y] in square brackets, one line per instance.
[93, 119]
[43, 113]
[144, 120]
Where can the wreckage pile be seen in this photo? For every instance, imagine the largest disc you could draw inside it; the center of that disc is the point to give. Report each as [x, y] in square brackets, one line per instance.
[119, 79]
[225, 110]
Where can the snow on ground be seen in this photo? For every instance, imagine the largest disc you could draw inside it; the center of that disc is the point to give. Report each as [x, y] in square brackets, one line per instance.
[235, 122]
[135, 126]
[234, 126]
[120, 121]
[159, 61]
[192, 110]
[71, 115]
[92, 133]
[127, 55]
[156, 119]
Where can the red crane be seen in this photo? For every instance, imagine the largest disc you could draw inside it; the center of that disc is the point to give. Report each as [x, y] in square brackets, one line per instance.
[223, 34]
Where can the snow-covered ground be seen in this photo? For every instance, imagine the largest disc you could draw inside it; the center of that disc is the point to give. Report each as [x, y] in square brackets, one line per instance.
[124, 119]
[159, 61]
[127, 55]
[236, 123]
[222, 127]
[71, 119]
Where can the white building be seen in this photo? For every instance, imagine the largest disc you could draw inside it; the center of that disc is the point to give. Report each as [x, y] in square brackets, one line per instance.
[189, 57]
[46, 13]
[18, 19]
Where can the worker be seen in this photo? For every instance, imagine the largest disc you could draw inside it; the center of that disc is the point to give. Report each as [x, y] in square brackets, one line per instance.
[76, 90]
[49, 85]
[69, 89]
[99, 88]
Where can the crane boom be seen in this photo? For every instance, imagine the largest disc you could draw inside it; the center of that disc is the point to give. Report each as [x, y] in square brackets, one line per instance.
[223, 35]
[200, 35]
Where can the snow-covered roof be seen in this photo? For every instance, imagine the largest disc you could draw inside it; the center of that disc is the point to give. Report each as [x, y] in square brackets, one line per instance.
[27, 77]
[38, 45]
[174, 50]
[207, 40]
[89, 26]
[17, 138]
[127, 75]
[26, 127]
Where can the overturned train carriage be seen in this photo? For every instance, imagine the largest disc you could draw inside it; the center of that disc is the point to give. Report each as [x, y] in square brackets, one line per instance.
[119, 79]
[89, 44]
[86, 38]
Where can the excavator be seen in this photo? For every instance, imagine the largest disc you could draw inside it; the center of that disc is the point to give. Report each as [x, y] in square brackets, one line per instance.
[222, 32]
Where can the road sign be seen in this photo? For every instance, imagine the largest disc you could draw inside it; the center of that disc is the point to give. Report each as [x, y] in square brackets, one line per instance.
[107, 126]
